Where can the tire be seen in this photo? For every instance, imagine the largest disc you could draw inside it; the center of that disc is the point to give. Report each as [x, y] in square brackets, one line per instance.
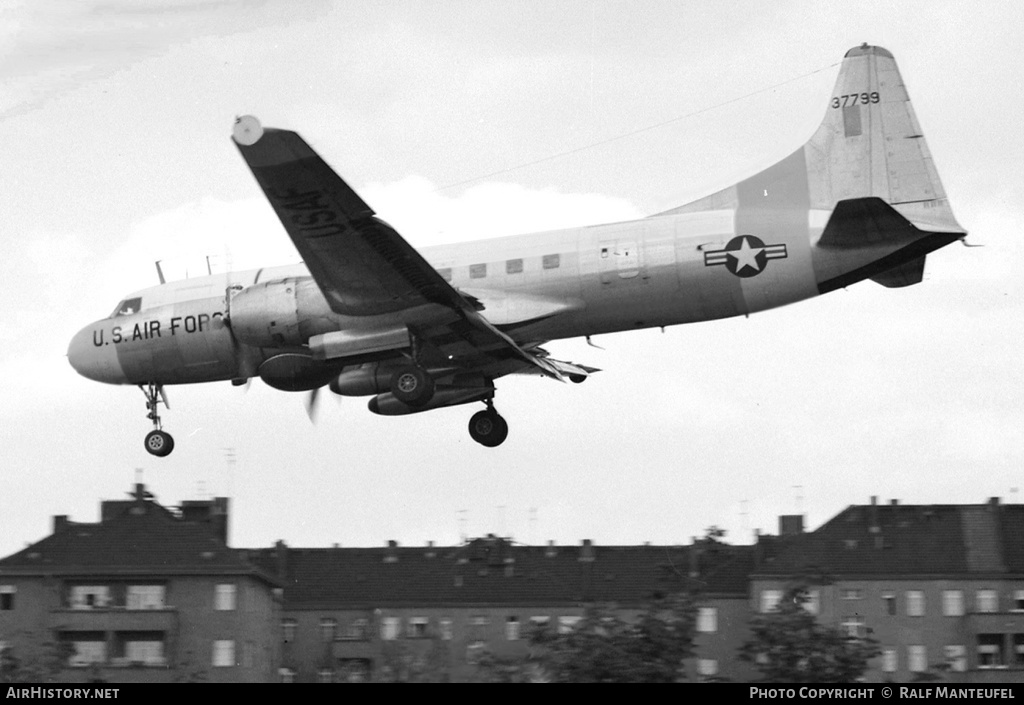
[412, 385]
[159, 443]
[488, 428]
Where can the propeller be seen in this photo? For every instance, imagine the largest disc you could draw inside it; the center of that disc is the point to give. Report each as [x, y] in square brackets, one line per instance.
[312, 404]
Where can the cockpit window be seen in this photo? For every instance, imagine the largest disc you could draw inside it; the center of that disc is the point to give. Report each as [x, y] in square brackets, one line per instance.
[127, 307]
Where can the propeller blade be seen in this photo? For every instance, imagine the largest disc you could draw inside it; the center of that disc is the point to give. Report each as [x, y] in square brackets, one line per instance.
[311, 404]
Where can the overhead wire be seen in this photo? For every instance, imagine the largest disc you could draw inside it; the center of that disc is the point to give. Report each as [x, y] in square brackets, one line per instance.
[633, 133]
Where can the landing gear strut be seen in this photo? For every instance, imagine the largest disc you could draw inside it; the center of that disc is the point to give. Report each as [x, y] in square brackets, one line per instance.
[487, 427]
[158, 442]
[411, 384]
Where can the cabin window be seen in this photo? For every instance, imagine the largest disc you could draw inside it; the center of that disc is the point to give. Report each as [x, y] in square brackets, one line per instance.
[514, 266]
[551, 261]
[446, 273]
[127, 307]
[477, 271]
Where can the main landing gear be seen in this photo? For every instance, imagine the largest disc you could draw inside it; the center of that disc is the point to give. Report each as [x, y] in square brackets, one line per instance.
[412, 385]
[158, 442]
[487, 427]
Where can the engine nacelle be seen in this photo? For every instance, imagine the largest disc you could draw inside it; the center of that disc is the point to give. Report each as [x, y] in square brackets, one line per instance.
[386, 404]
[277, 313]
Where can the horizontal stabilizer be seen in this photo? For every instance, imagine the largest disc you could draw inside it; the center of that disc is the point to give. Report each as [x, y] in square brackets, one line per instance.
[906, 274]
[861, 222]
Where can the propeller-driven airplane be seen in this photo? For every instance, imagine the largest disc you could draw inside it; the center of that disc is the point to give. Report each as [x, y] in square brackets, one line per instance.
[366, 314]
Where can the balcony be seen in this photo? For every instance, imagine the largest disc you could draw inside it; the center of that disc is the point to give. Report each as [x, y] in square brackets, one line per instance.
[995, 622]
[115, 619]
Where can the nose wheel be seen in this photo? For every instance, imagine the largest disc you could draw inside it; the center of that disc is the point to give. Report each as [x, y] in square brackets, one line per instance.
[487, 427]
[158, 442]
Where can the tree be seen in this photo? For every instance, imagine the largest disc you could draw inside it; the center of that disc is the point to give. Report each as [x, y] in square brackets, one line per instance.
[789, 645]
[604, 647]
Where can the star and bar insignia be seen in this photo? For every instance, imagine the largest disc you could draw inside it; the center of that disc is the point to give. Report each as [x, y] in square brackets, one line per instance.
[745, 255]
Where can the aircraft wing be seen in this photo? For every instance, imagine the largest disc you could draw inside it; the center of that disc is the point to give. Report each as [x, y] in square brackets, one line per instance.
[360, 263]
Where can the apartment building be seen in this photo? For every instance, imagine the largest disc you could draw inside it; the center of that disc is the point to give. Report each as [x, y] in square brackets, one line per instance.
[146, 594]
[395, 611]
[940, 587]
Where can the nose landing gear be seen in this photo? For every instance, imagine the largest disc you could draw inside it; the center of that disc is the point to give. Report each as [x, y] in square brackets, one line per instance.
[158, 442]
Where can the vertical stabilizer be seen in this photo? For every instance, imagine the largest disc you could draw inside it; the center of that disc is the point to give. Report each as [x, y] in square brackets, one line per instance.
[870, 144]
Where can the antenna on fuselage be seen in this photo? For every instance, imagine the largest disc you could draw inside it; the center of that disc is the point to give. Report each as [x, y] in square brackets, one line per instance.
[160, 272]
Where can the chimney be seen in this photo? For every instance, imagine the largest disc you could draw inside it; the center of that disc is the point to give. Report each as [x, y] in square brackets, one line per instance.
[694, 556]
[894, 502]
[212, 512]
[550, 551]
[873, 525]
[391, 554]
[586, 552]
[791, 524]
[60, 522]
[993, 504]
[281, 558]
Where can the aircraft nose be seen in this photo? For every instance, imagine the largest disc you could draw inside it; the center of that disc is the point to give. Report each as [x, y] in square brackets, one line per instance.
[93, 355]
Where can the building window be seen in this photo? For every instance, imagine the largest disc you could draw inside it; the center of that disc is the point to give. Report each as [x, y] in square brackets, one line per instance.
[150, 653]
[478, 628]
[770, 600]
[7, 593]
[539, 623]
[512, 628]
[707, 619]
[851, 594]
[990, 651]
[1018, 601]
[917, 659]
[813, 603]
[418, 627]
[551, 261]
[956, 657]
[87, 597]
[446, 628]
[890, 659]
[224, 653]
[987, 601]
[288, 630]
[224, 597]
[446, 273]
[889, 598]
[287, 675]
[915, 603]
[389, 628]
[707, 667]
[477, 271]
[953, 603]
[358, 630]
[514, 266]
[1018, 650]
[325, 675]
[145, 597]
[853, 625]
[87, 652]
[567, 623]
[328, 629]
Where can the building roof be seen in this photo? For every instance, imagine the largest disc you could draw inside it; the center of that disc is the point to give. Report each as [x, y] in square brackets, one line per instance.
[493, 570]
[905, 540]
[134, 537]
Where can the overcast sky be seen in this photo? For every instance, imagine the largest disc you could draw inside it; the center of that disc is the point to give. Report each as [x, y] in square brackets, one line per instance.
[115, 151]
